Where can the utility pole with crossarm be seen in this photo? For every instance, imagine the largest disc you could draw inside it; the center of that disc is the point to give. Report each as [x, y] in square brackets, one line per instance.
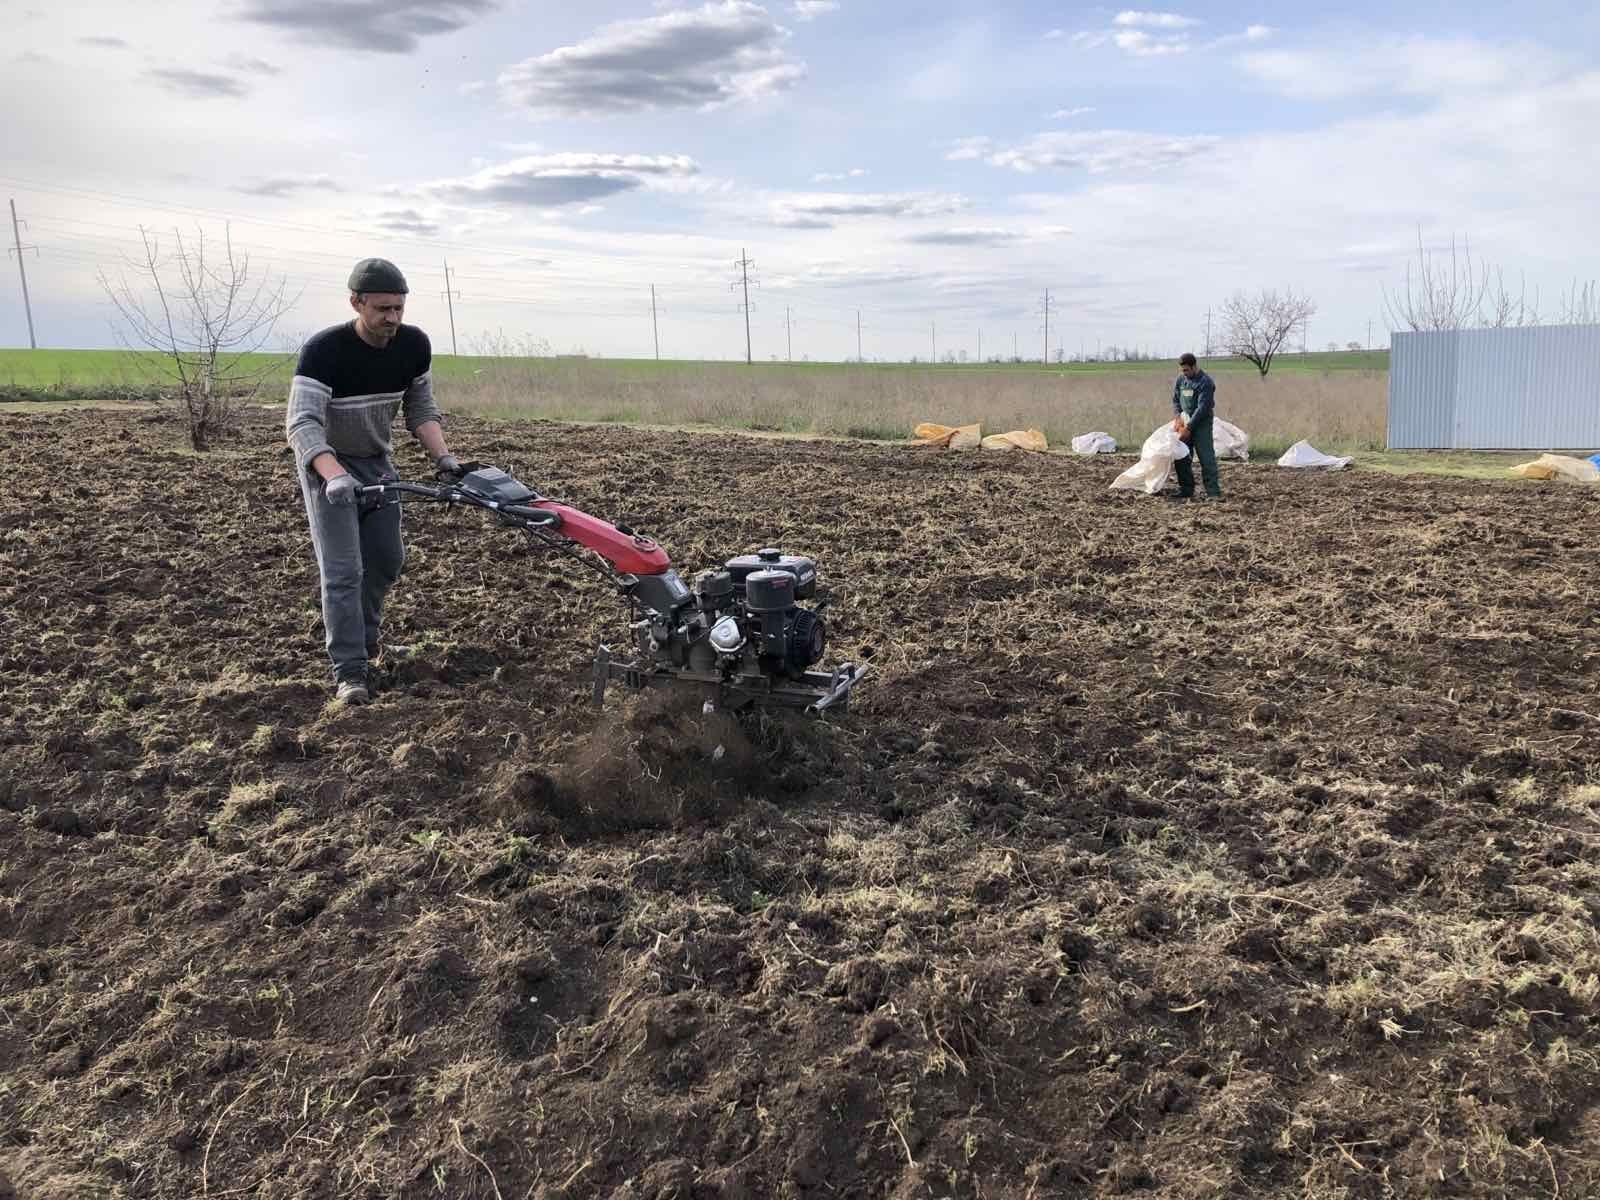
[27, 305]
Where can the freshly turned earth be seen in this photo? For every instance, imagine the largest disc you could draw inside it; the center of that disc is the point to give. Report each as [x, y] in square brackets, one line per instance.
[1244, 850]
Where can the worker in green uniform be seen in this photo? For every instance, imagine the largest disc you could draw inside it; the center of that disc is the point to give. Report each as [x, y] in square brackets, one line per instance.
[1194, 402]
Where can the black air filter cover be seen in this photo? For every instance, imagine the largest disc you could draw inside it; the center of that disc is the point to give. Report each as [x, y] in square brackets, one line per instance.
[769, 591]
[803, 569]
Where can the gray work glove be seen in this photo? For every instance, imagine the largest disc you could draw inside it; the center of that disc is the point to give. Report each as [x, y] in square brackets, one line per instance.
[448, 465]
[340, 490]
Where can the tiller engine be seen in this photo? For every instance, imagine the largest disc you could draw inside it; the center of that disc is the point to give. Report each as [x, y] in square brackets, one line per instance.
[741, 635]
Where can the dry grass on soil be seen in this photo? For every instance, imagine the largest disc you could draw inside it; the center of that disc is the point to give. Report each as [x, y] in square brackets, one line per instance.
[1335, 410]
[1246, 851]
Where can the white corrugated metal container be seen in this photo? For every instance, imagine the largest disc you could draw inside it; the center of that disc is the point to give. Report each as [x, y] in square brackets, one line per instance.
[1496, 389]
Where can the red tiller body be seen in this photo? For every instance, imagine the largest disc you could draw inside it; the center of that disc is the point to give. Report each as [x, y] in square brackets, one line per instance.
[631, 553]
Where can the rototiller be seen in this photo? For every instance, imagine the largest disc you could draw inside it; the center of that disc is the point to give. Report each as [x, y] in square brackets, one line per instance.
[739, 635]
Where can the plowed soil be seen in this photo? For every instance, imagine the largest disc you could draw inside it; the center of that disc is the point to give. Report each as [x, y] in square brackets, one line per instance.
[1245, 850]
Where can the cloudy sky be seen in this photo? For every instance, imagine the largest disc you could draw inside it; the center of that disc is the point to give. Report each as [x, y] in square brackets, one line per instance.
[928, 168]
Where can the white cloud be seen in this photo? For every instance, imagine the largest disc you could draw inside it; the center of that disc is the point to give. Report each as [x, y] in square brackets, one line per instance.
[807, 10]
[1054, 34]
[820, 210]
[408, 221]
[972, 236]
[1142, 45]
[720, 53]
[286, 185]
[1066, 114]
[1102, 151]
[1415, 66]
[1141, 34]
[967, 148]
[1132, 18]
[553, 180]
[838, 176]
[847, 275]
[1256, 209]
[1251, 33]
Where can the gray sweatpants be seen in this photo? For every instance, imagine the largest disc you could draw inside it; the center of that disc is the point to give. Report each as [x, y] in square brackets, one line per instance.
[359, 554]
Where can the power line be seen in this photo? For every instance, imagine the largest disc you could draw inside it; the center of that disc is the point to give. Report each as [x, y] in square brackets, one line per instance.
[655, 330]
[27, 305]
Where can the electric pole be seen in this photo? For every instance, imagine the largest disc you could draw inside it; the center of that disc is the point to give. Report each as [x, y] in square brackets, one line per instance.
[1046, 358]
[744, 264]
[980, 344]
[27, 305]
[449, 299]
[788, 334]
[655, 330]
[1013, 345]
[933, 333]
[1369, 333]
[858, 336]
[1208, 333]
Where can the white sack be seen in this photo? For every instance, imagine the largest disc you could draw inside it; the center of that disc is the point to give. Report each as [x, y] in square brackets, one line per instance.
[1229, 440]
[1161, 449]
[1304, 454]
[1094, 443]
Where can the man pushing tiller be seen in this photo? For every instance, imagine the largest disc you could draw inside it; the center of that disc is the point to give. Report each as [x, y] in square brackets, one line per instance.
[351, 381]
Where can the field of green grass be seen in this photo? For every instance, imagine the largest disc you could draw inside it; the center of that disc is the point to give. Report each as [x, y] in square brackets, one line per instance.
[89, 372]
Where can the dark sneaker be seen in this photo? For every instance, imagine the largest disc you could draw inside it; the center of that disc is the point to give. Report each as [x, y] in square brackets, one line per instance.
[1178, 497]
[1213, 498]
[353, 691]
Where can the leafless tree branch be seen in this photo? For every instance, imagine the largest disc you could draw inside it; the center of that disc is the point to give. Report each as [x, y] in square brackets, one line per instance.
[1457, 293]
[206, 320]
[1581, 305]
[1256, 327]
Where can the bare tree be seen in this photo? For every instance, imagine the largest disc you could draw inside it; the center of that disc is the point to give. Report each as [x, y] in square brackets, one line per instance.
[206, 318]
[1581, 305]
[1256, 327]
[1457, 293]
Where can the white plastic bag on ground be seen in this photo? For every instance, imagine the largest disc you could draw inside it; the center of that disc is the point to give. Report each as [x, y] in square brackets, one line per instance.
[1229, 440]
[1304, 454]
[1094, 443]
[1161, 449]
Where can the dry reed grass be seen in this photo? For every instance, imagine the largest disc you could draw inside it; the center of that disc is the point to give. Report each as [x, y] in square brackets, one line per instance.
[1335, 410]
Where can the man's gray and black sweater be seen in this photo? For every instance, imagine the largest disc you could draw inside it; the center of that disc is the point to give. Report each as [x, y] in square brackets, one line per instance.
[346, 393]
